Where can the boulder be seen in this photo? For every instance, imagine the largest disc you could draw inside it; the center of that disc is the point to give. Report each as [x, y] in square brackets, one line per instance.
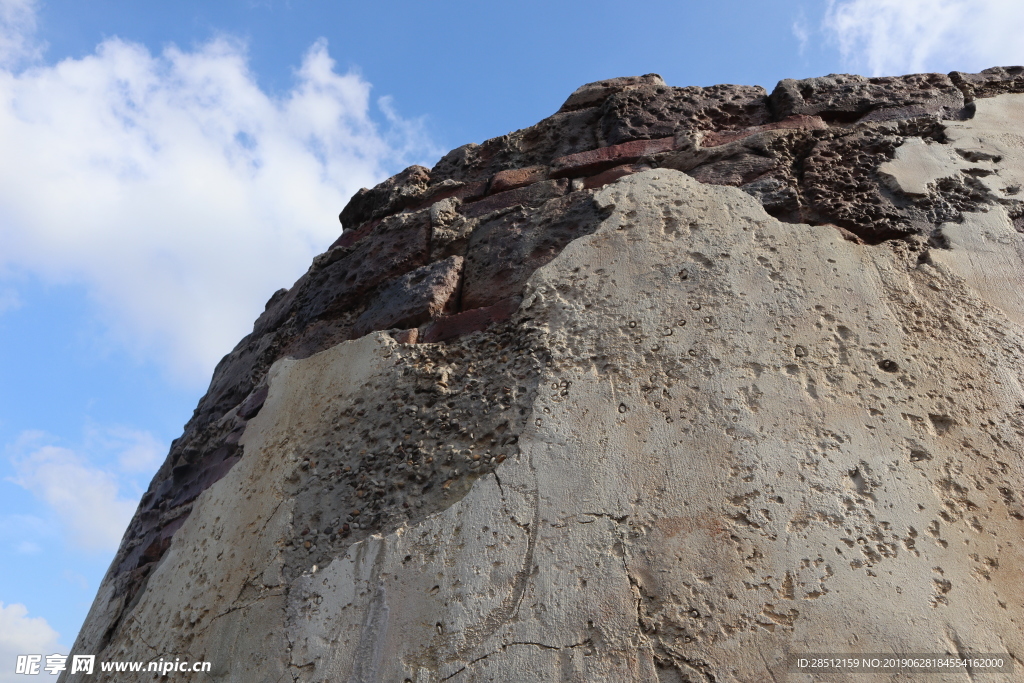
[679, 384]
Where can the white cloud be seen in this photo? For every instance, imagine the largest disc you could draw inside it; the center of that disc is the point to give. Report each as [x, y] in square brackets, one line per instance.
[17, 24]
[85, 499]
[891, 37]
[177, 191]
[90, 503]
[21, 634]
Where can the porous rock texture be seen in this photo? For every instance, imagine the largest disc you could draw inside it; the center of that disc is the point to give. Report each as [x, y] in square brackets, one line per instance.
[666, 387]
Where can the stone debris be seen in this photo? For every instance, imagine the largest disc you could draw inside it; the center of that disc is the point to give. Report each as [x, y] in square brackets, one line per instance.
[669, 385]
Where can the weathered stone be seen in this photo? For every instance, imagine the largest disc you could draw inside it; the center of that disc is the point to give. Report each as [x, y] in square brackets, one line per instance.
[597, 160]
[990, 82]
[414, 298]
[602, 527]
[251, 405]
[558, 135]
[394, 194]
[593, 94]
[841, 187]
[1018, 220]
[517, 177]
[795, 122]
[451, 238]
[705, 439]
[530, 195]
[842, 98]
[612, 174]
[350, 237]
[988, 148]
[453, 190]
[773, 193]
[410, 336]
[657, 112]
[396, 246]
[192, 479]
[737, 170]
[474, 320]
[444, 212]
[505, 251]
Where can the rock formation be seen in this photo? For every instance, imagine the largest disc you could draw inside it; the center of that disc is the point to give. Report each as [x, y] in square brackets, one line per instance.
[667, 387]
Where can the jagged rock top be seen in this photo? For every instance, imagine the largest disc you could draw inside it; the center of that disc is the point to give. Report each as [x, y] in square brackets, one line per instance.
[607, 114]
[592, 94]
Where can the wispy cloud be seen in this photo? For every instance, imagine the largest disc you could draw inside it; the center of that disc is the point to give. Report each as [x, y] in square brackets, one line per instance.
[24, 533]
[888, 37]
[137, 451]
[175, 189]
[801, 31]
[87, 501]
[21, 634]
[76, 579]
[17, 26]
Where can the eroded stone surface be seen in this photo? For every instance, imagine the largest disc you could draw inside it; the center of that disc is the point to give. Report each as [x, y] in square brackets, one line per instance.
[414, 298]
[504, 251]
[705, 438]
[844, 98]
[989, 148]
[748, 437]
[592, 94]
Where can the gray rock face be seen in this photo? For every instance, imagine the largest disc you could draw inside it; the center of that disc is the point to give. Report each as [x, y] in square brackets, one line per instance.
[705, 378]
[851, 98]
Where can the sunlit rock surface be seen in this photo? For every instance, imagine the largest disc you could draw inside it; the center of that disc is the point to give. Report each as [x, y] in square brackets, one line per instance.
[672, 385]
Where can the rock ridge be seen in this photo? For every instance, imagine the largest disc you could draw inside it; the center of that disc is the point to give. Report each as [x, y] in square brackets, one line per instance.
[459, 308]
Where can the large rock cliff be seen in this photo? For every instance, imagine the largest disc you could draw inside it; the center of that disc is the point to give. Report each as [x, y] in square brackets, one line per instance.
[667, 387]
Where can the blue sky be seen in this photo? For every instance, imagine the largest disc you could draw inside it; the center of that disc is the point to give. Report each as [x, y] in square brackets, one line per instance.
[167, 166]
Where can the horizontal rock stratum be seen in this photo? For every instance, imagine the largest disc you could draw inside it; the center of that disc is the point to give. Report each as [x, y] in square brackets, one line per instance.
[673, 385]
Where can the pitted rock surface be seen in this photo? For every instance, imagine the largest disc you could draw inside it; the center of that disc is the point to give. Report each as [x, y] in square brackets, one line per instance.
[666, 386]
[845, 98]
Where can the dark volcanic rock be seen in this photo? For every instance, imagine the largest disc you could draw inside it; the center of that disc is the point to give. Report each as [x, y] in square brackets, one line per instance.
[990, 82]
[593, 94]
[737, 170]
[394, 194]
[594, 161]
[841, 98]
[657, 111]
[840, 187]
[529, 195]
[558, 135]
[396, 246]
[505, 250]
[414, 298]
